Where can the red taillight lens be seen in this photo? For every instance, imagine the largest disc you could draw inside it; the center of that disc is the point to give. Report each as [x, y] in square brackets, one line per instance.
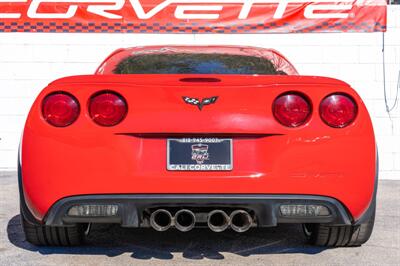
[107, 108]
[60, 109]
[291, 109]
[338, 110]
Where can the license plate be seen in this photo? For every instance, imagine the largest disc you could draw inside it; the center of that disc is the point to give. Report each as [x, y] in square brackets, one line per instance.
[199, 154]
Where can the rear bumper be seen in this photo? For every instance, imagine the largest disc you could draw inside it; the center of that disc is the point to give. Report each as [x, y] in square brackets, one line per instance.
[133, 209]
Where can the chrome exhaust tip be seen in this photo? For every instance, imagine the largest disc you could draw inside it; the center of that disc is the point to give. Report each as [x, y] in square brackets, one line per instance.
[218, 220]
[241, 221]
[184, 220]
[161, 220]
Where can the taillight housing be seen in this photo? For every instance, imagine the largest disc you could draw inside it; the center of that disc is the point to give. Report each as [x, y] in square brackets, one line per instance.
[338, 110]
[107, 108]
[292, 109]
[60, 109]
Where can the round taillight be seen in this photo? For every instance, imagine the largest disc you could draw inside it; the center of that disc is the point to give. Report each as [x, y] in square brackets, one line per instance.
[60, 109]
[338, 110]
[291, 109]
[107, 108]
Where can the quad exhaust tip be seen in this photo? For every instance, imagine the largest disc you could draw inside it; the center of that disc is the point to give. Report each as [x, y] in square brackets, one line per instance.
[161, 220]
[241, 221]
[218, 220]
[185, 220]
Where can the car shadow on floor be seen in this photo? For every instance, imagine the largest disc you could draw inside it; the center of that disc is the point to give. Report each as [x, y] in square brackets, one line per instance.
[112, 240]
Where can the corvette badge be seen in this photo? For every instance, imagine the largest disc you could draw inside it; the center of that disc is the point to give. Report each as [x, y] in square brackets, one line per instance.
[200, 103]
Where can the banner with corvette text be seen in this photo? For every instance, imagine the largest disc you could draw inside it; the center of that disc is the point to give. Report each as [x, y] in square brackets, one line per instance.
[192, 16]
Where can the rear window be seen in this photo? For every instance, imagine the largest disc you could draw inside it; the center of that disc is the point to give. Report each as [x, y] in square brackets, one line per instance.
[184, 63]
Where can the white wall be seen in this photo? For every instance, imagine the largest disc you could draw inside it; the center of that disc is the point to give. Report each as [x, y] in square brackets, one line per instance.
[28, 61]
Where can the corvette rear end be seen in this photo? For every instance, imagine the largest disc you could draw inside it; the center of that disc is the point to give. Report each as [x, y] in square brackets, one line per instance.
[198, 150]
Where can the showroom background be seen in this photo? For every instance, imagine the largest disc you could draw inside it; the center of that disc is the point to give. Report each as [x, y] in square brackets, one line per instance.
[29, 61]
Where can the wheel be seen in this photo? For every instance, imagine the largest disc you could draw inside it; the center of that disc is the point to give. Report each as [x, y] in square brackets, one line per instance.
[339, 236]
[42, 235]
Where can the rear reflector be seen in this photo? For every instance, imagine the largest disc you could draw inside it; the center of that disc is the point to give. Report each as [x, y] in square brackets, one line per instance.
[60, 109]
[93, 210]
[291, 109]
[304, 210]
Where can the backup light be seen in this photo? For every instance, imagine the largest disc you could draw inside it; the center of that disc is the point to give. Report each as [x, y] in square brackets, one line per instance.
[93, 210]
[304, 210]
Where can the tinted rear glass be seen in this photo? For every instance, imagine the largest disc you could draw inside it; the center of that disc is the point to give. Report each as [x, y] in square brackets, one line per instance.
[195, 64]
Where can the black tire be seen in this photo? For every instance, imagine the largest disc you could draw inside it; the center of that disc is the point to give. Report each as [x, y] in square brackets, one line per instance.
[339, 236]
[41, 235]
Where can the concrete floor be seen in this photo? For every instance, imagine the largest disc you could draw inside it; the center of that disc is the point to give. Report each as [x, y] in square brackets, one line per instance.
[283, 245]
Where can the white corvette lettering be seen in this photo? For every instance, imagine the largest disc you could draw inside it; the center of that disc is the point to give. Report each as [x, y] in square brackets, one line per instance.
[246, 8]
[97, 8]
[184, 9]
[309, 11]
[11, 15]
[180, 12]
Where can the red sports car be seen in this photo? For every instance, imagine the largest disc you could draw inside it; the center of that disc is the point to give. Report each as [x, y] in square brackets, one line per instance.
[223, 137]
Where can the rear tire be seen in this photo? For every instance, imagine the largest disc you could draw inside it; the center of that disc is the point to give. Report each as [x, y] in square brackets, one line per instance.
[42, 235]
[339, 236]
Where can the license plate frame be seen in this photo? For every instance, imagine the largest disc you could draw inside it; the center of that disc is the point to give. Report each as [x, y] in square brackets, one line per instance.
[199, 154]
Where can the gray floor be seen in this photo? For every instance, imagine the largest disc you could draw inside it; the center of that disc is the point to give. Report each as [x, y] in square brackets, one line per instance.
[283, 245]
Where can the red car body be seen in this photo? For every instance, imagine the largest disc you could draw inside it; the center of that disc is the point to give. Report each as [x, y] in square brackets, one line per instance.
[129, 158]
